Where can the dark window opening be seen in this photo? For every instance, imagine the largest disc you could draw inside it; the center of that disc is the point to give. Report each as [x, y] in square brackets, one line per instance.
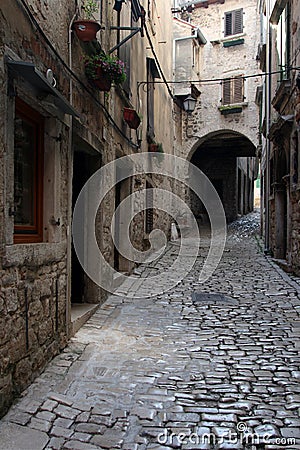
[295, 176]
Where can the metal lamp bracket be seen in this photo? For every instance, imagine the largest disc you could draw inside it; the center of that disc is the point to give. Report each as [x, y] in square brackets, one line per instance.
[134, 30]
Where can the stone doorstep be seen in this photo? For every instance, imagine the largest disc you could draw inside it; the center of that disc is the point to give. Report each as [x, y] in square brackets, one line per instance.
[16, 437]
[80, 314]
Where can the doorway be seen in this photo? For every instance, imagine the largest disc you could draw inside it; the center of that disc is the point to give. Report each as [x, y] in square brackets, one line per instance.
[123, 189]
[84, 165]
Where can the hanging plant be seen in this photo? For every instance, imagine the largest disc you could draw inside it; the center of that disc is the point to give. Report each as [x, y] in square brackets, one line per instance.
[102, 67]
[87, 27]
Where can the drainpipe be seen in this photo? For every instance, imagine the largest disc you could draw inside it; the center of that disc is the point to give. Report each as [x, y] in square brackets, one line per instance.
[70, 176]
[268, 120]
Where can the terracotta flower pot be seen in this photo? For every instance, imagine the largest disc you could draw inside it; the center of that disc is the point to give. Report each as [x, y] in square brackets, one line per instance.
[102, 81]
[131, 118]
[153, 148]
[86, 30]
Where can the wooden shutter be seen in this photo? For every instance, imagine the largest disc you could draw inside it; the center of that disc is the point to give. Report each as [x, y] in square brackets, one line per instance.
[136, 10]
[228, 23]
[227, 92]
[237, 21]
[233, 90]
[238, 90]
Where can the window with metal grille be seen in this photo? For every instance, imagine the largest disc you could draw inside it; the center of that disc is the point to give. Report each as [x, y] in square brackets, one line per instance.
[233, 90]
[149, 210]
[233, 22]
[150, 99]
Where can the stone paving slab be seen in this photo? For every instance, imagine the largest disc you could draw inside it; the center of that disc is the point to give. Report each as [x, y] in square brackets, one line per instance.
[174, 372]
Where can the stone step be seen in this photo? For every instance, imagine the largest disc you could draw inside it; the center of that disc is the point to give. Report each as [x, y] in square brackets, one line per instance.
[80, 314]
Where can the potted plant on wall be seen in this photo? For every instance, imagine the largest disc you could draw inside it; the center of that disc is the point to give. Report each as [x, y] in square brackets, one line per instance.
[102, 70]
[87, 27]
[132, 118]
[153, 147]
[156, 148]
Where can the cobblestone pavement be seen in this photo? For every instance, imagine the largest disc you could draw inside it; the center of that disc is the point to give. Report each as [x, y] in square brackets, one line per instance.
[177, 371]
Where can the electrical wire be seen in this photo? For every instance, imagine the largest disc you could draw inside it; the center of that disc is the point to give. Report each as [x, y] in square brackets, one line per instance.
[48, 42]
[158, 64]
[218, 80]
[165, 81]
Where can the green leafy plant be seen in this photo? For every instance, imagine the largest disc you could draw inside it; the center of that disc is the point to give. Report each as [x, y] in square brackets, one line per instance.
[90, 7]
[160, 148]
[160, 152]
[111, 66]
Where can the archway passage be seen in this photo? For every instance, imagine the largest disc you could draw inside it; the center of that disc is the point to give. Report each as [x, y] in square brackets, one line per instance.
[229, 160]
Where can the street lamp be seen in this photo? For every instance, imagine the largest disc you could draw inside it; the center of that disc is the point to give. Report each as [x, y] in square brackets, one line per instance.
[189, 104]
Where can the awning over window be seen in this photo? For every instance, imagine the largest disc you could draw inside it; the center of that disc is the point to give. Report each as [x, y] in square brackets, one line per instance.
[32, 75]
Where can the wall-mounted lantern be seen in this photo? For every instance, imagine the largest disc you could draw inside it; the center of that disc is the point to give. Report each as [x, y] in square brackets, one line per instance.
[189, 104]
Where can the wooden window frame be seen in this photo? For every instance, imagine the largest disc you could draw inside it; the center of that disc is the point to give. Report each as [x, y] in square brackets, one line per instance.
[33, 233]
[231, 94]
[234, 24]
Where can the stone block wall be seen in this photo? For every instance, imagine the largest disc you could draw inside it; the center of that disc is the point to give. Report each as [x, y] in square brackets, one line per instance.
[33, 323]
[295, 232]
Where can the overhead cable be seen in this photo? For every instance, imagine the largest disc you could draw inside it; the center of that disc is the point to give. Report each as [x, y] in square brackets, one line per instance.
[158, 64]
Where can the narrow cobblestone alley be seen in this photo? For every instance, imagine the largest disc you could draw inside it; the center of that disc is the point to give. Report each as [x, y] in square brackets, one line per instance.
[180, 370]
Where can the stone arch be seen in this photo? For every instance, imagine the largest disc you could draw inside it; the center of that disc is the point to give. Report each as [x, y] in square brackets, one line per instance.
[228, 158]
[200, 141]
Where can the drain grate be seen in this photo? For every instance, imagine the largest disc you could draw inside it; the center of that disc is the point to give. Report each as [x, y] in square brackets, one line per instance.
[215, 299]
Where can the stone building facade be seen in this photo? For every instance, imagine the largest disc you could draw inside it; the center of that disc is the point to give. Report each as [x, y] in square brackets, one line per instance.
[221, 135]
[279, 99]
[56, 130]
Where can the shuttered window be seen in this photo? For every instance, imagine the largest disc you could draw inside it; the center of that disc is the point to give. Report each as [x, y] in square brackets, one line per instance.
[233, 90]
[233, 22]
